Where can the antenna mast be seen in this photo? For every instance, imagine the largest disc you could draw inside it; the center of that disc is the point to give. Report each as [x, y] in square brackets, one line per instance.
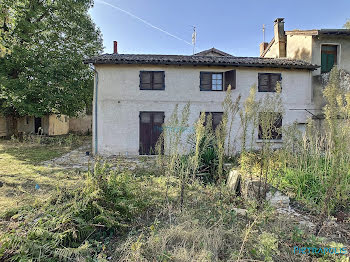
[194, 38]
[263, 29]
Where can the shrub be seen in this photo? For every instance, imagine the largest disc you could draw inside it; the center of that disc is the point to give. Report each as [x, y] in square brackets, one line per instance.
[70, 225]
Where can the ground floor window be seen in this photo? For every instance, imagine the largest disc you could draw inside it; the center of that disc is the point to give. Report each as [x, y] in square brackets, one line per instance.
[270, 126]
[216, 118]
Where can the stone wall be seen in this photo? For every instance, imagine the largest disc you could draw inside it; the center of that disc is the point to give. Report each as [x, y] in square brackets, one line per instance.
[81, 125]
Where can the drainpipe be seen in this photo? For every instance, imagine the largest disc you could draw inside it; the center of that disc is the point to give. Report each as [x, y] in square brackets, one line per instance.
[95, 111]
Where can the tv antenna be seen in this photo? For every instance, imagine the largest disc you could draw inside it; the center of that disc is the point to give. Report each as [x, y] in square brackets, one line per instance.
[194, 38]
[263, 29]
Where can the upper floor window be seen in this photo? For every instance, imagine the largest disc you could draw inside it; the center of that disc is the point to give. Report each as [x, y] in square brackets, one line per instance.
[270, 126]
[328, 57]
[267, 81]
[211, 81]
[152, 80]
[217, 81]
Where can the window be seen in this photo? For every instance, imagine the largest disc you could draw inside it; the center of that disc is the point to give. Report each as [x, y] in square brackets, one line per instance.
[270, 126]
[328, 57]
[217, 81]
[267, 81]
[216, 118]
[152, 80]
[27, 120]
[211, 81]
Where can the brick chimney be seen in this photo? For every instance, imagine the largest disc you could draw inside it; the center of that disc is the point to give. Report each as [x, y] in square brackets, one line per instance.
[115, 47]
[263, 47]
[280, 37]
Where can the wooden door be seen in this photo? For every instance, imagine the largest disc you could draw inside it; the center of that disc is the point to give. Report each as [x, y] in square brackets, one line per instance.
[150, 130]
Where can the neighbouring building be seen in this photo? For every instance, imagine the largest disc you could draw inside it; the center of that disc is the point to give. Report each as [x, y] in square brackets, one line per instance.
[325, 47]
[135, 94]
[47, 125]
[51, 125]
[3, 126]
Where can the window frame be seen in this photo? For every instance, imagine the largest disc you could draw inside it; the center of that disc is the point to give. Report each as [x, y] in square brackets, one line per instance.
[212, 119]
[269, 74]
[211, 81]
[337, 57]
[152, 80]
[279, 136]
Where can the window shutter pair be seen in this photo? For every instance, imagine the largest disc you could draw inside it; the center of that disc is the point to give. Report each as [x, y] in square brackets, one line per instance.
[267, 81]
[152, 80]
[275, 130]
[216, 118]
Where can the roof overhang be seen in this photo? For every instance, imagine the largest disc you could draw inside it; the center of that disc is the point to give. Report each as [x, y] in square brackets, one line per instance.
[256, 62]
[320, 32]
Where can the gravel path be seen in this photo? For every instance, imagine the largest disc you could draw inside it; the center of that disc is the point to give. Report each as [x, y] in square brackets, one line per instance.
[76, 159]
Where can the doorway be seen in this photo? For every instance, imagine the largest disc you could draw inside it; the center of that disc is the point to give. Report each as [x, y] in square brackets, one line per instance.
[150, 130]
[37, 124]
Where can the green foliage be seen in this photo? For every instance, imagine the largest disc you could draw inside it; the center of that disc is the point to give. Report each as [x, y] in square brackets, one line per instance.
[248, 116]
[268, 245]
[7, 22]
[42, 70]
[71, 224]
[313, 166]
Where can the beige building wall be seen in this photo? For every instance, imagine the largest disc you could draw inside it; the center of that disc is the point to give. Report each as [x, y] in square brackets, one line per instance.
[56, 125]
[120, 100]
[299, 47]
[3, 126]
[81, 125]
[273, 51]
[25, 124]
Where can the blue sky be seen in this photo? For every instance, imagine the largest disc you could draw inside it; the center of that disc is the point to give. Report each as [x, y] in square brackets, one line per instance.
[231, 26]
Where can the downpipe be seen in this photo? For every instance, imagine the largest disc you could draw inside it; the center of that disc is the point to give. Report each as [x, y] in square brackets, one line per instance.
[95, 110]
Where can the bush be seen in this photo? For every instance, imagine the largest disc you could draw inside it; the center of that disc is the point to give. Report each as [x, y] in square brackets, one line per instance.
[75, 224]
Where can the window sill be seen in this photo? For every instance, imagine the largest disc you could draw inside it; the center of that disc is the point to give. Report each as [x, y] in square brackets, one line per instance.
[210, 90]
[153, 89]
[276, 141]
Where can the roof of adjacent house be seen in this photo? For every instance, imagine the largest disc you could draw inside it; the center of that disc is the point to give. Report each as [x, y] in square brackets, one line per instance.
[198, 59]
[320, 32]
[212, 52]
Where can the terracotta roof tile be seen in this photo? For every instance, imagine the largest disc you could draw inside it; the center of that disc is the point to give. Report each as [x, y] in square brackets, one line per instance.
[200, 60]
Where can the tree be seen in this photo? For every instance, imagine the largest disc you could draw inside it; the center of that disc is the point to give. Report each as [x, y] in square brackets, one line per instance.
[7, 21]
[43, 44]
[347, 25]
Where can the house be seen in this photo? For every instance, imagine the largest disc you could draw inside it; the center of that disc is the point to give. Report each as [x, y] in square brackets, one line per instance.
[47, 125]
[325, 47]
[51, 125]
[135, 94]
